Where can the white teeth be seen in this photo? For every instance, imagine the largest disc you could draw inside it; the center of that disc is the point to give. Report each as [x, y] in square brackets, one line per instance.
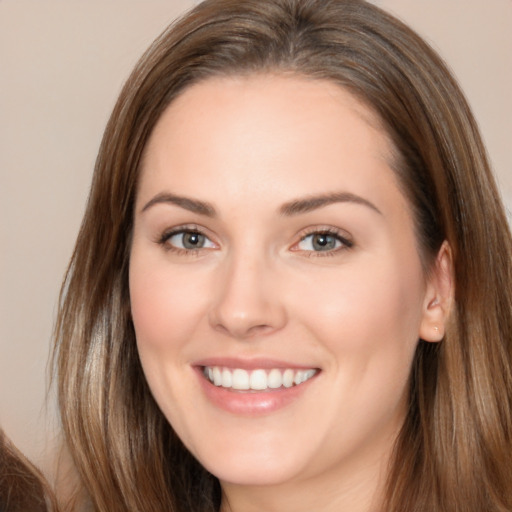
[240, 379]
[217, 376]
[258, 380]
[274, 379]
[227, 379]
[288, 378]
[308, 374]
[303, 375]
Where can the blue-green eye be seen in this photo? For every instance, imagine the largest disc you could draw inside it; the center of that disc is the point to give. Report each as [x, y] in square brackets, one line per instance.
[188, 240]
[322, 242]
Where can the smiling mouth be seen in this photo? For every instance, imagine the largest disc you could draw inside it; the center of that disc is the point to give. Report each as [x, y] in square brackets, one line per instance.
[239, 379]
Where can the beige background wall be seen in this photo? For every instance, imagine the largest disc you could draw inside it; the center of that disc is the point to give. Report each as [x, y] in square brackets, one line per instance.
[62, 63]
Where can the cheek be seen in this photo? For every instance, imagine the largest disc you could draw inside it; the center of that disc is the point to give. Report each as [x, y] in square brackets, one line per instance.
[165, 304]
[369, 308]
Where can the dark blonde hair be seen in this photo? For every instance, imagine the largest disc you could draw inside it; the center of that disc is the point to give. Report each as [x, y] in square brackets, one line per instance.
[454, 452]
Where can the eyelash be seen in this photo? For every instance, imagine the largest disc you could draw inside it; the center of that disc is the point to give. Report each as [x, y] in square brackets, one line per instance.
[163, 240]
[329, 231]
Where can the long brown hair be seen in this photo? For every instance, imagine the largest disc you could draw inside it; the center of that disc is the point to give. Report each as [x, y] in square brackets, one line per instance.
[22, 486]
[454, 452]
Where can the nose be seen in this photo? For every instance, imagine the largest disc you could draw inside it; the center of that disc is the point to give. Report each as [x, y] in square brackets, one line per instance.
[248, 301]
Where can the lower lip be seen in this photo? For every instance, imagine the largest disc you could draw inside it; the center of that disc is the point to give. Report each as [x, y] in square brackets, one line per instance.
[251, 403]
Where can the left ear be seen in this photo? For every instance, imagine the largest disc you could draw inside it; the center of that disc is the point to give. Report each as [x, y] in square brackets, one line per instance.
[438, 297]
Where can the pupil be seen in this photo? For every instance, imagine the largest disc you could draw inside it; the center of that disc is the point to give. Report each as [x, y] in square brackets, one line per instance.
[322, 242]
[193, 240]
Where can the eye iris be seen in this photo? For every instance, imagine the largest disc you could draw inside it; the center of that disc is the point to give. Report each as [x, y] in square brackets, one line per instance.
[324, 242]
[193, 240]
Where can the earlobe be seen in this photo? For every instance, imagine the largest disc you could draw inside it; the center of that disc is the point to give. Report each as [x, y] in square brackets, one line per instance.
[439, 296]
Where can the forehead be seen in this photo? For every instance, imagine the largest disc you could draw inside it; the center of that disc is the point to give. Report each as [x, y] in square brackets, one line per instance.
[296, 97]
[266, 132]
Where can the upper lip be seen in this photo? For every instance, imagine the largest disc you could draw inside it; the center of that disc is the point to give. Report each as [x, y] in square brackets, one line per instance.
[255, 363]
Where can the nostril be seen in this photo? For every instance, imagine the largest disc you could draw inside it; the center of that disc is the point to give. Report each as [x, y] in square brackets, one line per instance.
[246, 303]
[242, 331]
[259, 330]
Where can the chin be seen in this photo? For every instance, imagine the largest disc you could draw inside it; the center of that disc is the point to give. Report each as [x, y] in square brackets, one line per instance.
[251, 465]
[250, 473]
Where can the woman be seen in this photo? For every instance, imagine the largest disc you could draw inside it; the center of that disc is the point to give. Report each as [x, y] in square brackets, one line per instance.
[291, 288]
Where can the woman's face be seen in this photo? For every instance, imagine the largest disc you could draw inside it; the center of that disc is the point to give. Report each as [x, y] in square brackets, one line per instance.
[272, 245]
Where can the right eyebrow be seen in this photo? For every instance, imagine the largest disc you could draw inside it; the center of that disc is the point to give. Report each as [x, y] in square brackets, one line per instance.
[192, 205]
[310, 203]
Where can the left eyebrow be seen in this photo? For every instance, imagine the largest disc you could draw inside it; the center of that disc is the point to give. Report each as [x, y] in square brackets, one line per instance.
[187, 203]
[310, 203]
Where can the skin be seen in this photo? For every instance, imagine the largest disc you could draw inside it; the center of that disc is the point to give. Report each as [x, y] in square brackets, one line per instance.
[259, 288]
